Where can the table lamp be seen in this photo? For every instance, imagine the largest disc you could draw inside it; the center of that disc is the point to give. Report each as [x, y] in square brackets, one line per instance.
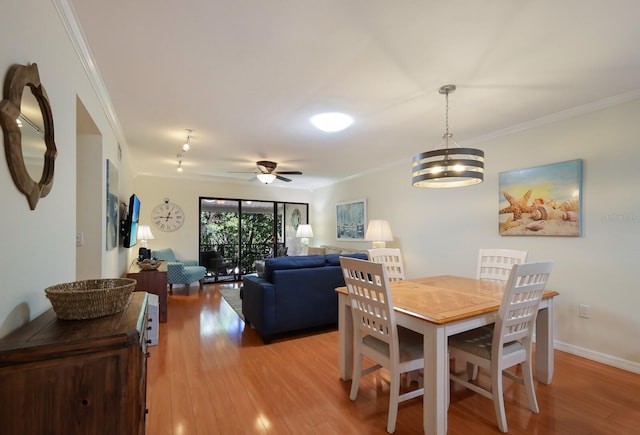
[304, 232]
[378, 232]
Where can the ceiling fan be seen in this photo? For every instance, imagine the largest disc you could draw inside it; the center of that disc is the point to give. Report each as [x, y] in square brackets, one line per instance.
[267, 172]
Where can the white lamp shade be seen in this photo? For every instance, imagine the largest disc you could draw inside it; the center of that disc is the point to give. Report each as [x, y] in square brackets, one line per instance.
[378, 230]
[304, 230]
[144, 233]
[266, 178]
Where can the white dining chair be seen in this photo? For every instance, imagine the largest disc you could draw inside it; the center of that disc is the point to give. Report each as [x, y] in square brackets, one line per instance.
[391, 258]
[395, 348]
[507, 343]
[496, 264]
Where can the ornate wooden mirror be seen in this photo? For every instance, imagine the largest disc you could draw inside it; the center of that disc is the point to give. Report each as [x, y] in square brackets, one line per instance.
[27, 124]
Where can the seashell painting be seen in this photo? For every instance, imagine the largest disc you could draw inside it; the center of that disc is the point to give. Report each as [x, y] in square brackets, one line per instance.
[536, 225]
[543, 200]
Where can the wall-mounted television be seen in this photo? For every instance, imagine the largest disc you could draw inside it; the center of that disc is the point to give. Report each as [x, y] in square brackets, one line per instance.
[130, 224]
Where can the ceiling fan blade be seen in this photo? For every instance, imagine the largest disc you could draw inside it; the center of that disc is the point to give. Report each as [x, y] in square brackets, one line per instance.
[241, 172]
[289, 172]
[282, 178]
[266, 167]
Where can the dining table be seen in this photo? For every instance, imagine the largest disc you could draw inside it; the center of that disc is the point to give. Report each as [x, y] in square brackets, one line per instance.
[438, 307]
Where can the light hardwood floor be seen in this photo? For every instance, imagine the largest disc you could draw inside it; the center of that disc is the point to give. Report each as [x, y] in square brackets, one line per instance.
[212, 375]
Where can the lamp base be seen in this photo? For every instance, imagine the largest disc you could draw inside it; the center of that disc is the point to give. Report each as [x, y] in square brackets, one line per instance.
[377, 245]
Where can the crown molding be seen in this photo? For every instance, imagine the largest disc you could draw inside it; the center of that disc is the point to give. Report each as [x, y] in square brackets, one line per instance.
[70, 21]
[559, 116]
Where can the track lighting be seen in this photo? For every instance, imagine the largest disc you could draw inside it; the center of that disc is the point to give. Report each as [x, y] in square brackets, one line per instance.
[180, 156]
[185, 147]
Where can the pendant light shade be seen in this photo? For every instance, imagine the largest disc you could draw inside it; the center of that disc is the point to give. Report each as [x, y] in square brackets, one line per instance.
[448, 167]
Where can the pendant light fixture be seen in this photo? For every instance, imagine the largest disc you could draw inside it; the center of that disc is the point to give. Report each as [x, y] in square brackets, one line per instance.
[448, 167]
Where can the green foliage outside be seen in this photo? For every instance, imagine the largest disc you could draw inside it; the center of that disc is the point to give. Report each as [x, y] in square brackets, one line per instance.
[220, 231]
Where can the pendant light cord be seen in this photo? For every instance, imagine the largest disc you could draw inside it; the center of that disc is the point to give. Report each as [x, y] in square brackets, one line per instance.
[446, 120]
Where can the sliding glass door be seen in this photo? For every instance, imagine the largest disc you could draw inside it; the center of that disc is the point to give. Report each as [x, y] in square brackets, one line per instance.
[234, 233]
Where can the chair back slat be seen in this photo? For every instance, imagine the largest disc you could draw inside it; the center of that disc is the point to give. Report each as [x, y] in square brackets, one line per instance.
[371, 307]
[519, 307]
[496, 264]
[391, 258]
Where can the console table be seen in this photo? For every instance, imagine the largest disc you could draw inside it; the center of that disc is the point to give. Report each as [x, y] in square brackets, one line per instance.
[76, 376]
[152, 281]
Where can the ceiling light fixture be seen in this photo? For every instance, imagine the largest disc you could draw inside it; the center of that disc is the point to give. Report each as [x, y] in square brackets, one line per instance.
[180, 156]
[266, 178]
[448, 167]
[187, 144]
[331, 122]
[185, 147]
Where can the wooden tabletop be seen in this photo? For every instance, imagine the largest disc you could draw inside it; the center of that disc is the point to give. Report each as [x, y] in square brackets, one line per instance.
[446, 298]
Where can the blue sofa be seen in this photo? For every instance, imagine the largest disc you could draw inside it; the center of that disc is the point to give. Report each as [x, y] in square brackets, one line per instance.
[293, 293]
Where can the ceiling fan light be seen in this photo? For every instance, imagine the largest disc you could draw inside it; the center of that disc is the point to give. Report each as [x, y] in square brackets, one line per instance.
[331, 122]
[266, 178]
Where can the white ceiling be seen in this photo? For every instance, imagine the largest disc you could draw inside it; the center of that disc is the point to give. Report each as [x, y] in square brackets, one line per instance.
[246, 76]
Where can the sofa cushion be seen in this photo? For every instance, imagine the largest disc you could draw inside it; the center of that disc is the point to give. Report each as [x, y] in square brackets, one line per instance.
[258, 265]
[332, 250]
[334, 259]
[294, 262]
[315, 251]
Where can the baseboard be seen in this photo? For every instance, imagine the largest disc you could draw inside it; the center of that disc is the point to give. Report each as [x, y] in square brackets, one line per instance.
[598, 357]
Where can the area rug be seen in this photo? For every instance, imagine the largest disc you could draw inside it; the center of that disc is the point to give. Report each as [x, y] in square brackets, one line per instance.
[232, 297]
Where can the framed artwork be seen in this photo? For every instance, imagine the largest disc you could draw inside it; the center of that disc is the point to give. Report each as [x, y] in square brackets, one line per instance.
[351, 219]
[541, 201]
[295, 215]
[112, 206]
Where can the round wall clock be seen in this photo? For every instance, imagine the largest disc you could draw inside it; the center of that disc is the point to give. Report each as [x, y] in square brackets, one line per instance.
[167, 216]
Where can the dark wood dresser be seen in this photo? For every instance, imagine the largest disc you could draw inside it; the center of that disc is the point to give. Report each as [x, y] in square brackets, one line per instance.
[152, 281]
[76, 376]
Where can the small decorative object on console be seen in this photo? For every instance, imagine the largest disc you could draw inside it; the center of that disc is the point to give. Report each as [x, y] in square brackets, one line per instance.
[149, 264]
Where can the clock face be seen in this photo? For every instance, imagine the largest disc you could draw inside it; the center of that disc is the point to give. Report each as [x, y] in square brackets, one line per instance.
[167, 216]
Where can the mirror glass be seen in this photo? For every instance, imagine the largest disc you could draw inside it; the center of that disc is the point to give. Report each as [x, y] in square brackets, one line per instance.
[31, 126]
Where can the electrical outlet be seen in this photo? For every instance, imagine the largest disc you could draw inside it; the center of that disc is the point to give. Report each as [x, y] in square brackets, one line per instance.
[79, 239]
[584, 311]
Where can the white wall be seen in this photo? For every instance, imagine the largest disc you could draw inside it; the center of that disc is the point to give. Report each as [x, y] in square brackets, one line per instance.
[441, 230]
[38, 246]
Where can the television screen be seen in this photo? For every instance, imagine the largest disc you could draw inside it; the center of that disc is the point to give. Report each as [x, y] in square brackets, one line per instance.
[134, 208]
[130, 225]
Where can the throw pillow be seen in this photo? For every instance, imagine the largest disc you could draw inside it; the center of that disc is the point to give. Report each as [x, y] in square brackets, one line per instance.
[332, 250]
[315, 251]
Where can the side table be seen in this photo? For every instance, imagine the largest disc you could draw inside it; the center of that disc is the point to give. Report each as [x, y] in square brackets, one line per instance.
[152, 281]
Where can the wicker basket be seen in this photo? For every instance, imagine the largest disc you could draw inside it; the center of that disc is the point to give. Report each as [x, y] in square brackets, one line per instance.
[90, 298]
[148, 265]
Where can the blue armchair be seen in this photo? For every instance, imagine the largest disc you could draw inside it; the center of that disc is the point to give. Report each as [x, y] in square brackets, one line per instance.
[180, 271]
